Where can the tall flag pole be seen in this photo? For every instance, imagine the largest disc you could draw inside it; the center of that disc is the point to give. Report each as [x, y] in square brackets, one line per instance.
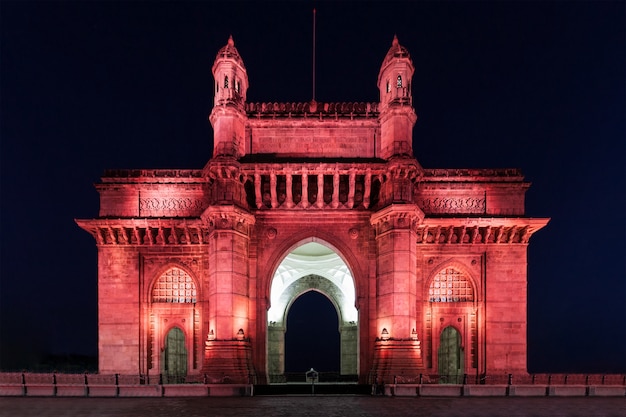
[313, 54]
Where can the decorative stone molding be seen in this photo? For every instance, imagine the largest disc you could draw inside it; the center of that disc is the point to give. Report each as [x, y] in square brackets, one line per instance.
[456, 205]
[146, 231]
[397, 216]
[271, 233]
[152, 175]
[478, 231]
[227, 218]
[313, 108]
[508, 174]
[170, 206]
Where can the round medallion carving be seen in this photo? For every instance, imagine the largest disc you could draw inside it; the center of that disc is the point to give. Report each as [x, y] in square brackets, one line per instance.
[271, 233]
[354, 233]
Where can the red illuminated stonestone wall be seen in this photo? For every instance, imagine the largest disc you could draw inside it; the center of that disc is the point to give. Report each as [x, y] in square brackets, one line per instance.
[437, 256]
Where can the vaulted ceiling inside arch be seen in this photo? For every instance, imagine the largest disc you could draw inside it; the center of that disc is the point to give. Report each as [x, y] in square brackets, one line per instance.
[313, 259]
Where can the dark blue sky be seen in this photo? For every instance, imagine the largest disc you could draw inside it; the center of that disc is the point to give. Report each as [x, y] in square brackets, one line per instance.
[539, 86]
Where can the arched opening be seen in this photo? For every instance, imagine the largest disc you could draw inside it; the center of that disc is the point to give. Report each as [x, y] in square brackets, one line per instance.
[312, 335]
[309, 269]
[450, 354]
[174, 357]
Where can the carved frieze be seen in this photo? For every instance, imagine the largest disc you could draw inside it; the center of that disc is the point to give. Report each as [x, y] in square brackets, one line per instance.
[453, 205]
[170, 206]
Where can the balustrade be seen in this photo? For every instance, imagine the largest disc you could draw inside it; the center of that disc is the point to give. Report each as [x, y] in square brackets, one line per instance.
[304, 187]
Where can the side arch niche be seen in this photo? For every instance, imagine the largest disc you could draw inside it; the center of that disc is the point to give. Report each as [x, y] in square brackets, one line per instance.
[453, 311]
[174, 356]
[312, 267]
[450, 356]
[173, 324]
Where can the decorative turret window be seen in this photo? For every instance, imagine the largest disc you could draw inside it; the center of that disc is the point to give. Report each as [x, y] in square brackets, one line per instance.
[450, 285]
[388, 87]
[174, 286]
[399, 81]
[237, 85]
[226, 81]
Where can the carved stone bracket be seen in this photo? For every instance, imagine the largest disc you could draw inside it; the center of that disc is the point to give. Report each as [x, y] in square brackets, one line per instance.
[478, 231]
[146, 231]
[397, 216]
[228, 218]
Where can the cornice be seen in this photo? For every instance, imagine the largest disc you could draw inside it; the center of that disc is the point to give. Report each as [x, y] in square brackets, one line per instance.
[478, 230]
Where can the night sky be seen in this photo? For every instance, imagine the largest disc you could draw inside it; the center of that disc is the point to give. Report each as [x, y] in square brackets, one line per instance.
[539, 86]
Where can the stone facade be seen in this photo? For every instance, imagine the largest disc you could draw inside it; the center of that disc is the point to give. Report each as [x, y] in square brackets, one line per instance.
[197, 268]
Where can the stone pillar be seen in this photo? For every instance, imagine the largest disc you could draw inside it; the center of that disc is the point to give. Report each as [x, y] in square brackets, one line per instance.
[273, 191]
[276, 353]
[351, 188]
[396, 291]
[305, 189]
[228, 292]
[335, 202]
[320, 191]
[368, 188]
[257, 191]
[289, 191]
[118, 310]
[349, 335]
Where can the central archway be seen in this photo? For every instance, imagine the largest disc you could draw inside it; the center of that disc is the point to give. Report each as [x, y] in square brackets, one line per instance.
[312, 267]
[312, 338]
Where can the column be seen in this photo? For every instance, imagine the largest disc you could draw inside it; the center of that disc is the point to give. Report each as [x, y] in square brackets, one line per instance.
[351, 188]
[368, 187]
[257, 190]
[273, 190]
[320, 191]
[335, 202]
[289, 191]
[305, 188]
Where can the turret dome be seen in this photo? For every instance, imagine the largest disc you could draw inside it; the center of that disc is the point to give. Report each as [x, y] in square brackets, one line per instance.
[229, 51]
[396, 51]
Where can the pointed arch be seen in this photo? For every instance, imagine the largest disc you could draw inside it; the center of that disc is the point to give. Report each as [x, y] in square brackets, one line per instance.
[304, 265]
[175, 355]
[308, 236]
[460, 284]
[174, 285]
[451, 356]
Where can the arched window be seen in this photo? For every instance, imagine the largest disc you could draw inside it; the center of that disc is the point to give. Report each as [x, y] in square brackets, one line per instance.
[450, 285]
[237, 85]
[174, 286]
[226, 81]
[388, 87]
[399, 81]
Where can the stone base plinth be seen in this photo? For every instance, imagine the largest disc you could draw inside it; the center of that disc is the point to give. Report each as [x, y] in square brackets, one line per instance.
[396, 358]
[228, 362]
[528, 390]
[485, 390]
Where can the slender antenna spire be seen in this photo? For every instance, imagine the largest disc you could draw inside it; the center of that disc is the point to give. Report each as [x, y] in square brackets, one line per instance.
[313, 54]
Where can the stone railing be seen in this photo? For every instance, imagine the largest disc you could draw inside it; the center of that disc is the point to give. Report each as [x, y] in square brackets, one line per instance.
[324, 110]
[117, 385]
[525, 385]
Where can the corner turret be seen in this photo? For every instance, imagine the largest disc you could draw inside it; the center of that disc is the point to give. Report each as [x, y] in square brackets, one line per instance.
[228, 115]
[397, 116]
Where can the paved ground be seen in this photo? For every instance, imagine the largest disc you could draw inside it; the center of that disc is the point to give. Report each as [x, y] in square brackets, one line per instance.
[326, 406]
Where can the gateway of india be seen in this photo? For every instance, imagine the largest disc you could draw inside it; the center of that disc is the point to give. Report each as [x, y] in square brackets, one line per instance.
[426, 268]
